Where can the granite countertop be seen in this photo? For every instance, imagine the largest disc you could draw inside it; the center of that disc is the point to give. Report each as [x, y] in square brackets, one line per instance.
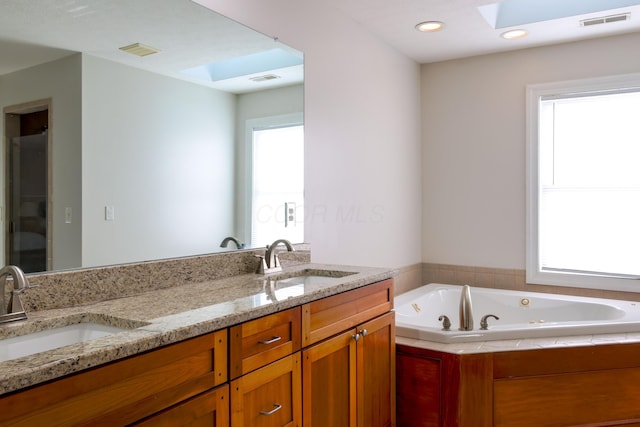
[166, 316]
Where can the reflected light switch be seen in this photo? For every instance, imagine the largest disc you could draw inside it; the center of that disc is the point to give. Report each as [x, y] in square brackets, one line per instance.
[67, 215]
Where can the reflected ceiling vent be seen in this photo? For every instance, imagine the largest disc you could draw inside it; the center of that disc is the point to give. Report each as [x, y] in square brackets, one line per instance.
[264, 78]
[139, 49]
[605, 19]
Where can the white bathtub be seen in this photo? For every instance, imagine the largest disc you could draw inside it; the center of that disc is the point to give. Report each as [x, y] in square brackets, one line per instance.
[522, 314]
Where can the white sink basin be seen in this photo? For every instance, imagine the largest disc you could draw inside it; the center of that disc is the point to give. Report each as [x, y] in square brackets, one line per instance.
[307, 280]
[25, 345]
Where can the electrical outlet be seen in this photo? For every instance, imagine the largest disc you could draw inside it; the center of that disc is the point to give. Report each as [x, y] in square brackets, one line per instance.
[289, 214]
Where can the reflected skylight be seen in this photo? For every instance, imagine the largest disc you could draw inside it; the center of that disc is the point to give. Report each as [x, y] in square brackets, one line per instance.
[245, 65]
[510, 13]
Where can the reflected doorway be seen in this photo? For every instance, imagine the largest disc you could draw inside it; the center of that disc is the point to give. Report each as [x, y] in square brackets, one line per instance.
[27, 230]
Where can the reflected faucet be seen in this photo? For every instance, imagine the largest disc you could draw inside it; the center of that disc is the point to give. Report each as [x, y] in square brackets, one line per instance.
[226, 241]
[14, 310]
[270, 263]
[466, 311]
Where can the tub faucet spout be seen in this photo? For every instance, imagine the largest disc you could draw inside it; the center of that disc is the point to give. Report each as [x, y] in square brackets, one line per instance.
[466, 310]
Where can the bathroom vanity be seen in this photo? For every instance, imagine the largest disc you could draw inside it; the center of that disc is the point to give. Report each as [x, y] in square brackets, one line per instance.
[246, 350]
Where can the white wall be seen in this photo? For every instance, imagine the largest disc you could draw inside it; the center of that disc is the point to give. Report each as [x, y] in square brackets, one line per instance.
[60, 81]
[362, 133]
[160, 151]
[473, 116]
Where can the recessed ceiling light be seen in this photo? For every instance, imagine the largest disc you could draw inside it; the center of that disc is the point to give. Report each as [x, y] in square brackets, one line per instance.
[429, 26]
[514, 34]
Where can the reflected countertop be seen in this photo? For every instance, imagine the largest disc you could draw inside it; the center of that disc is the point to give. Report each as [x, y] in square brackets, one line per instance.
[171, 315]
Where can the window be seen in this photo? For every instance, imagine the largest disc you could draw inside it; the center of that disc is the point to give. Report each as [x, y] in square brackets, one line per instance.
[277, 183]
[583, 191]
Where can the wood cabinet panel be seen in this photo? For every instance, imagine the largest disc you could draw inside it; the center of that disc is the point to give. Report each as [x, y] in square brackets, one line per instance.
[569, 399]
[418, 390]
[209, 409]
[124, 391]
[268, 397]
[332, 315]
[258, 342]
[375, 373]
[329, 382]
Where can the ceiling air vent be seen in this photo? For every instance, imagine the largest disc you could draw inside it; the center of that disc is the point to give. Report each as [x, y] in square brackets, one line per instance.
[139, 49]
[264, 78]
[605, 19]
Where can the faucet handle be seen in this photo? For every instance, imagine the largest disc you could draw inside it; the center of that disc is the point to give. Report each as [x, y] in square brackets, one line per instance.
[484, 324]
[262, 267]
[446, 323]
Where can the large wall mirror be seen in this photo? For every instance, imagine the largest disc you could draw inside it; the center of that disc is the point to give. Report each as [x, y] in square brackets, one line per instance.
[142, 130]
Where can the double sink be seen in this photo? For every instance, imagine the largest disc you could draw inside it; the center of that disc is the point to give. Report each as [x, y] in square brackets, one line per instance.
[79, 329]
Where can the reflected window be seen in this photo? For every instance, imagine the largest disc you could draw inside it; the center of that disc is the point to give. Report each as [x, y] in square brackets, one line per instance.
[277, 185]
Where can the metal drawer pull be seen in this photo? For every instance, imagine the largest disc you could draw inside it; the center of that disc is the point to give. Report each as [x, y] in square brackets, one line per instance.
[276, 408]
[356, 337]
[271, 341]
[363, 333]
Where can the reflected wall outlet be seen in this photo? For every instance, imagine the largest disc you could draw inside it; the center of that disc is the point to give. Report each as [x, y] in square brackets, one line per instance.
[109, 213]
[289, 214]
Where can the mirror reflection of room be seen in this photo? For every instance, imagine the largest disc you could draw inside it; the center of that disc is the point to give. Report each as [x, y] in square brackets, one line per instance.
[148, 154]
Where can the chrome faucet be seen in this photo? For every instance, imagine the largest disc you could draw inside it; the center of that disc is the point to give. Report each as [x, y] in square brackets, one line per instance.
[226, 241]
[270, 263]
[466, 311]
[14, 310]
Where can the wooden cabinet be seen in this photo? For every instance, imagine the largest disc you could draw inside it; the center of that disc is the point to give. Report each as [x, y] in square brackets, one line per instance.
[268, 397]
[256, 343]
[265, 362]
[209, 409]
[566, 386]
[126, 391]
[349, 377]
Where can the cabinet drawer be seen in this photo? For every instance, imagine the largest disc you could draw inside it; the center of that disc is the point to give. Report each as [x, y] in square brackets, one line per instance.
[125, 391]
[329, 316]
[270, 396]
[210, 409]
[261, 341]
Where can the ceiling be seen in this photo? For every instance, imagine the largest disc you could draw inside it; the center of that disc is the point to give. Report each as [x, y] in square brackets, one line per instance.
[468, 33]
[37, 31]
[186, 34]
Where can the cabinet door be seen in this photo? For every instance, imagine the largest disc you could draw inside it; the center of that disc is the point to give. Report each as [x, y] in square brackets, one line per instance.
[268, 397]
[209, 409]
[376, 372]
[329, 382]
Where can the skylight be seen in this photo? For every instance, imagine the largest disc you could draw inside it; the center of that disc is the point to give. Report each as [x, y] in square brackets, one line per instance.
[510, 13]
[245, 65]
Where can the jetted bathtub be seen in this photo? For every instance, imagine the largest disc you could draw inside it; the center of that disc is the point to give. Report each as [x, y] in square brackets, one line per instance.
[521, 314]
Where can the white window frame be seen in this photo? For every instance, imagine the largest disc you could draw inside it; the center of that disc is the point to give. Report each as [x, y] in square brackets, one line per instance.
[534, 273]
[261, 123]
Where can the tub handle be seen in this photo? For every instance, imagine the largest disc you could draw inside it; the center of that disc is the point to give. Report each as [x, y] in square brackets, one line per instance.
[484, 324]
[446, 323]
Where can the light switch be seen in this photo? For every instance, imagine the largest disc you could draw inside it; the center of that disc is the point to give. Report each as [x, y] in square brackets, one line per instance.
[109, 213]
